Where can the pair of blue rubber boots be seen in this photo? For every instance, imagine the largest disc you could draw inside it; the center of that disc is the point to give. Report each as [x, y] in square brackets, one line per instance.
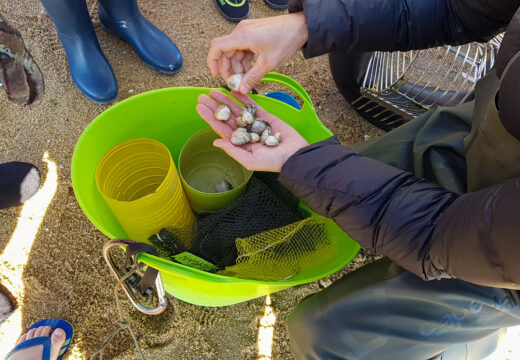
[88, 66]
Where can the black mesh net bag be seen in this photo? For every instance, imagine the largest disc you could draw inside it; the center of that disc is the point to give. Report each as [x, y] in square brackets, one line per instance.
[265, 229]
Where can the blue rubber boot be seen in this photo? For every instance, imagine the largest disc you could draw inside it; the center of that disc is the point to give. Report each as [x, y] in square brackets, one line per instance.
[122, 18]
[88, 67]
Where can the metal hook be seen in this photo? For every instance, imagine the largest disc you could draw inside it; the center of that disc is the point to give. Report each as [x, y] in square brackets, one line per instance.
[129, 292]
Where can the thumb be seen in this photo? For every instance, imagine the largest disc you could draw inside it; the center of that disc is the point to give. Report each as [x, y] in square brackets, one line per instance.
[254, 75]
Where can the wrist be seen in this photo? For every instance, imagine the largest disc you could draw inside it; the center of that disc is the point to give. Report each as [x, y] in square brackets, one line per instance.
[300, 24]
[288, 154]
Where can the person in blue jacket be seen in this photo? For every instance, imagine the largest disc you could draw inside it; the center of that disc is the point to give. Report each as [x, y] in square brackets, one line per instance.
[88, 66]
[438, 196]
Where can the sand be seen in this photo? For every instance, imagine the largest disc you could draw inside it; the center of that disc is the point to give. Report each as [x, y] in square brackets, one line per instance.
[65, 275]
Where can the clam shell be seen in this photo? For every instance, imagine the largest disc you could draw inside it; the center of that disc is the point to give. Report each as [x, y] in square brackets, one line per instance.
[241, 122]
[265, 134]
[242, 129]
[247, 116]
[271, 141]
[254, 137]
[223, 112]
[240, 137]
[251, 109]
[222, 186]
[278, 137]
[234, 82]
[259, 126]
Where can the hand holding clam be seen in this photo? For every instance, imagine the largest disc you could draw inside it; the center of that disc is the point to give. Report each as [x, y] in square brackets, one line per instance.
[252, 155]
[234, 82]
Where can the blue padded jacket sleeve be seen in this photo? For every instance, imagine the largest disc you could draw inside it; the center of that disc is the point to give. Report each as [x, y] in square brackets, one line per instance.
[387, 25]
[401, 216]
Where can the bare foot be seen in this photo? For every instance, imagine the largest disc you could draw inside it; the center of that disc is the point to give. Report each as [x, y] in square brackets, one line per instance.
[35, 353]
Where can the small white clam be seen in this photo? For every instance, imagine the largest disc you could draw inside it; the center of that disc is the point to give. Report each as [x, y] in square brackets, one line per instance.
[254, 137]
[223, 186]
[240, 137]
[278, 137]
[234, 82]
[251, 109]
[247, 116]
[265, 134]
[239, 120]
[271, 141]
[259, 126]
[223, 112]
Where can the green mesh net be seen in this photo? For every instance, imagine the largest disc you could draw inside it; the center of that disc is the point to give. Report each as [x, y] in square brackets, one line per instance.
[282, 253]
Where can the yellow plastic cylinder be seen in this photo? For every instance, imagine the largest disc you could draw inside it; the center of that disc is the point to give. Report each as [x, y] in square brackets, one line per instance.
[140, 184]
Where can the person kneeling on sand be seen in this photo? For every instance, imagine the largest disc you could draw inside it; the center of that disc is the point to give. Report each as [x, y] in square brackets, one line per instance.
[439, 195]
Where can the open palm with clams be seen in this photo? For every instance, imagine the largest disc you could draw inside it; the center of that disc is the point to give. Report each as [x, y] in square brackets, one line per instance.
[253, 156]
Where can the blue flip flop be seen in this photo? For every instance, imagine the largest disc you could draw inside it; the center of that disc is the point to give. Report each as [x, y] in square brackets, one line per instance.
[46, 340]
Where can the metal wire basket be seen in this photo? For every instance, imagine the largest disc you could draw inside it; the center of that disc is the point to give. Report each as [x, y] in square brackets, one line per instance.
[398, 86]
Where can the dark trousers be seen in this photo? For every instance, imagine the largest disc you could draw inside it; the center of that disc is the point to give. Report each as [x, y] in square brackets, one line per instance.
[383, 312]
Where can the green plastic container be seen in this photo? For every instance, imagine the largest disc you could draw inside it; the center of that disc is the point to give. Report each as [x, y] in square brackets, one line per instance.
[201, 165]
[169, 116]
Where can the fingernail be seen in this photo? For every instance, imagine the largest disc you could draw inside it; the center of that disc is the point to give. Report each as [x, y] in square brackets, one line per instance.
[245, 88]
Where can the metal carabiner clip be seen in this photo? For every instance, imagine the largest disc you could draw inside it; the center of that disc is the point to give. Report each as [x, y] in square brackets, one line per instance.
[127, 289]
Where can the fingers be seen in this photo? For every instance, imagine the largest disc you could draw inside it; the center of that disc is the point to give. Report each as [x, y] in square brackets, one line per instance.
[255, 74]
[220, 127]
[244, 157]
[221, 45]
[213, 66]
[276, 124]
[214, 55]
[225, 66]
[224, 129]
[246, 100]
[224, 99]
[246, 61]
[236, 62]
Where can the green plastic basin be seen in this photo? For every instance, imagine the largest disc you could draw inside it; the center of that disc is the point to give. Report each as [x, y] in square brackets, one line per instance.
[169, 116]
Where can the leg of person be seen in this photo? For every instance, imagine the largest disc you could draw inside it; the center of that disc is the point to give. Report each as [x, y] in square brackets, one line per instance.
[20, 76]
[233, 10]
[278, 4]
[348, 71]
[89, 68]
[430, 146]
[19, 181]
[6, 306]
[383, 312]
[122, 18]
[48, 339]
